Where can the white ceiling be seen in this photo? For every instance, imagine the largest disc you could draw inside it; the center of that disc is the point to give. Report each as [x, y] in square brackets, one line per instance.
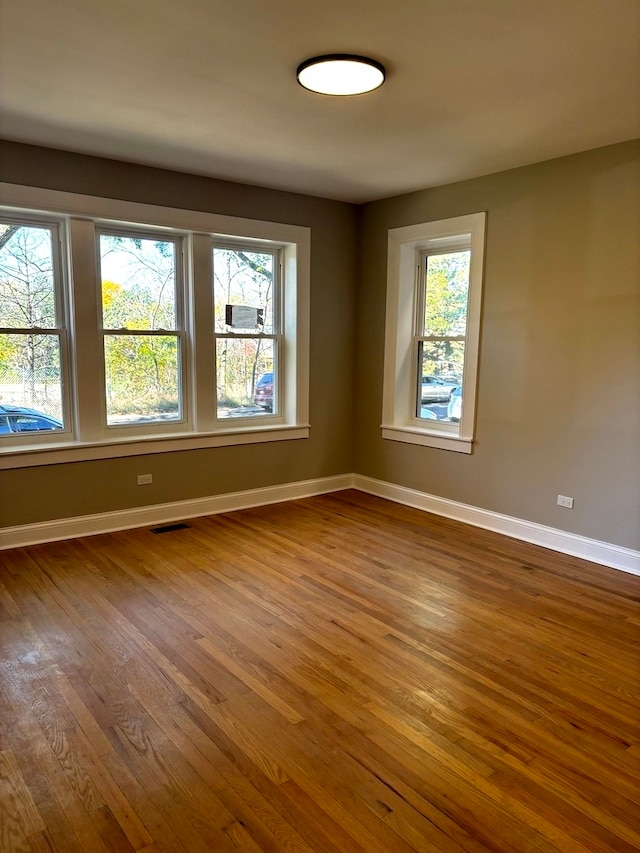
[208, 86]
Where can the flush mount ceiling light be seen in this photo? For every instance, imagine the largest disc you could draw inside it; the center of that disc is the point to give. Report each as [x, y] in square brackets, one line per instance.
[340, 74]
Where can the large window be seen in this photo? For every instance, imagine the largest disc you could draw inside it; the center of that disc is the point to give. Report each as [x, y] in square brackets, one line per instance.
[432, 335]
[130, 329]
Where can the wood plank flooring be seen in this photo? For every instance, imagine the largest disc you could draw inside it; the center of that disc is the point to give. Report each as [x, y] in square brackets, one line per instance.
[333, 674]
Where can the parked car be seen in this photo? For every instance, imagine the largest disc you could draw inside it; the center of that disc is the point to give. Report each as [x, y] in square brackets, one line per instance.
[454, 409]
[263, 395]
[21, 419]
[435, 389]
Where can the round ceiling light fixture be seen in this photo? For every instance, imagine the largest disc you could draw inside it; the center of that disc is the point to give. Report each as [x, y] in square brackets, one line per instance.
[340, 74]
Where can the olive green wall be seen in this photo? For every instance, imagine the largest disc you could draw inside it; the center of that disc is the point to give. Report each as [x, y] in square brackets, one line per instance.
[559, 385]
[58, 491]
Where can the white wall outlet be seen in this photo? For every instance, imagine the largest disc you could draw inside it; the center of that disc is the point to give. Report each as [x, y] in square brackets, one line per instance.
[145, 479]
[563, 500]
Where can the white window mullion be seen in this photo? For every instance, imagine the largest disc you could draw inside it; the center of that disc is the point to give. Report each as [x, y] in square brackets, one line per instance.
[294, 352]
[200, 310]
[174, 354]
[86, 334]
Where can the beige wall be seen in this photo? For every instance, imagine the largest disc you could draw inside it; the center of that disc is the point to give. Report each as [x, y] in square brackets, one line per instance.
[58, 491]
[559, 385]
[559, 388]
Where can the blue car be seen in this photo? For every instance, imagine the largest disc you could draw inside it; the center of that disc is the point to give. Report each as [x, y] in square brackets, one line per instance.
[20, 419]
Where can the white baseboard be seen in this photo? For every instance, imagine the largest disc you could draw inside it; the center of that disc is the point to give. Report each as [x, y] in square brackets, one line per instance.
[603, 553]
[147, 516]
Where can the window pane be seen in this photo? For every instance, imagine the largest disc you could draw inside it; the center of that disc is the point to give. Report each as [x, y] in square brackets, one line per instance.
[138, 282]
[27, 292]
[446, 293]
[441, 364]
[30, 377]
[243, 278]
[142, 378]
[245, 377]
[444, 359]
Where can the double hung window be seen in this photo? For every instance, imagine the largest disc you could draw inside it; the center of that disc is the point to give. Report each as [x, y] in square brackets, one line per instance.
[441, 321]
[131, 329]
[33, 328]
[246, 285]
[143, 328]
[433, 331]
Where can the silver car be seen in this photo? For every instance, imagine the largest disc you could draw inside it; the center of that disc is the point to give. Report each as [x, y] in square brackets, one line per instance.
[435, 389]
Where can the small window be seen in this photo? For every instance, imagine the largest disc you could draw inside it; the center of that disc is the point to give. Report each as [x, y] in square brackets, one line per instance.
[433, 332]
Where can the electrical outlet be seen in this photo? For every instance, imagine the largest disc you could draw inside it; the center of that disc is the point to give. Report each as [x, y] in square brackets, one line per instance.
[565, 501]
[145, 479]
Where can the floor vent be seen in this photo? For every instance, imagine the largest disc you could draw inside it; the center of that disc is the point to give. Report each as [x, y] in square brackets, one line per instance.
[169, 528]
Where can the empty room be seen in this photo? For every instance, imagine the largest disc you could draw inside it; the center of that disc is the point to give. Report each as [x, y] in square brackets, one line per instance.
[320, 426]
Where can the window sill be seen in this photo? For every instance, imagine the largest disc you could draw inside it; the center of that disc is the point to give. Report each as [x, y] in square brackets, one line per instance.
[54, 454]
[428, 438]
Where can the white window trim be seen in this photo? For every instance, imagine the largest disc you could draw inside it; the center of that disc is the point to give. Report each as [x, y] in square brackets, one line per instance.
[84, 213]
[406, 245]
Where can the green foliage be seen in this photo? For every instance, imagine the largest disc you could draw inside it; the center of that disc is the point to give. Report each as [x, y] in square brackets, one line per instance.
[446, 294]
[142, 373]
[138, 298]
[445, 312]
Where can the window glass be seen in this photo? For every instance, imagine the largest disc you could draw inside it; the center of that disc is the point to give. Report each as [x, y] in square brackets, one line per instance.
[441, 365]
[243, 278]
[142, 375]
[446, 292]
[246, 326]
[441, 346]
[140, 303]
[244, 367]
[30, 340]
[30, 373]
[32, 423]
[27, 277]
[138, 282]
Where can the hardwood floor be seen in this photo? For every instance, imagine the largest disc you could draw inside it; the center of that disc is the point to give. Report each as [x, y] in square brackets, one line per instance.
[333, 674]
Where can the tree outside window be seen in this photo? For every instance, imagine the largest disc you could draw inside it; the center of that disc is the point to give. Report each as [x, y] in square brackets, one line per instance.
[140, 317]
[30, 333]
[243, 277]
